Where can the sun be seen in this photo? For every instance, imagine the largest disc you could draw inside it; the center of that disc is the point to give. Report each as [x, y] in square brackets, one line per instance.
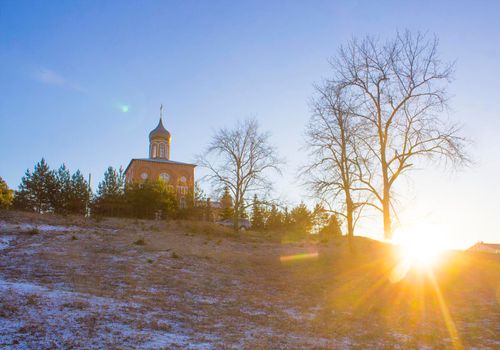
[420, 245]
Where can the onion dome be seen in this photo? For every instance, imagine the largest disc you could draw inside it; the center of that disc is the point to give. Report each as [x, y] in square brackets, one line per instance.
[159, 132]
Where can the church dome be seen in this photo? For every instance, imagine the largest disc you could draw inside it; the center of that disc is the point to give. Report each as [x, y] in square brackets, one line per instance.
[159, 132]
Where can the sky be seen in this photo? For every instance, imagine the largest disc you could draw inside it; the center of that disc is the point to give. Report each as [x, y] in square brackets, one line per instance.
[81, 83]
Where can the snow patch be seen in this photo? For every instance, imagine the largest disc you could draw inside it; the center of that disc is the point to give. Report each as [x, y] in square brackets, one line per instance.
[5, 241]
[5, 226]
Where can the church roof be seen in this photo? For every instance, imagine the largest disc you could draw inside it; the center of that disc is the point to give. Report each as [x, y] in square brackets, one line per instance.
[158, 160]
[159, 131]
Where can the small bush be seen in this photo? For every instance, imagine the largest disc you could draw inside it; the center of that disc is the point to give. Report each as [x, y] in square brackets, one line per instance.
[175, 256]
[33, 231]
[73, 238]
[32, 299]
[140, 241]
[7, 310]
[78, 305]
[149, 261]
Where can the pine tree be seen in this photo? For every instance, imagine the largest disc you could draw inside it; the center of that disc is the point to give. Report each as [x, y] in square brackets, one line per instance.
[226, 202]
[332, 228]
[274, 219]
[6, 195]
[62, 191]
[257, 214]
[242, 211]
[113, 184]
[80, 194]
[110, 198]
[301, 219]
[208, 210]
[148, 198]
[320, 218]
[37, 189]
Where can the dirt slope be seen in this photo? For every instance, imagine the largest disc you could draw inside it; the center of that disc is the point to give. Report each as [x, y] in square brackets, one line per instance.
[122, 284]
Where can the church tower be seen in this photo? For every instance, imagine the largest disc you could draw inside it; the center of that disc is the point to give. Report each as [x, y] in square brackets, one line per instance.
[159, 141]
[177, 176]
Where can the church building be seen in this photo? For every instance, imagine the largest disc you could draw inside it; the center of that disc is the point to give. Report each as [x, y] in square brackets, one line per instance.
[179, 176]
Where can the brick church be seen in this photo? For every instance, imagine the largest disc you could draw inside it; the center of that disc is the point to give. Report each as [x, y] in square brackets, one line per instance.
[179, 176]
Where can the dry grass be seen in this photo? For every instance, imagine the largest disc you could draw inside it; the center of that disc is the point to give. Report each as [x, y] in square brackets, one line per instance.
[198, 285]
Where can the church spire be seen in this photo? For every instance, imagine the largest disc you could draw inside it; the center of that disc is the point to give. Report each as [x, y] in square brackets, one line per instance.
[159, 140]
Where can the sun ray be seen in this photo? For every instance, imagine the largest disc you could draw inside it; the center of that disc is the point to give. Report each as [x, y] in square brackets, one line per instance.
[450, 325]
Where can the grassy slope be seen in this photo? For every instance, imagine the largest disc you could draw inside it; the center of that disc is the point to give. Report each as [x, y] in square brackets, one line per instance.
[195, 285]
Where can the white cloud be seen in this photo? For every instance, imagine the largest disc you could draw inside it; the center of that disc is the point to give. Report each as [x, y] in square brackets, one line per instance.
[51, 77]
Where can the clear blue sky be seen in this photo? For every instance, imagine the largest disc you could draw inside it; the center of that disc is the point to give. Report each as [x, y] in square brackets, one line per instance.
[68, 68]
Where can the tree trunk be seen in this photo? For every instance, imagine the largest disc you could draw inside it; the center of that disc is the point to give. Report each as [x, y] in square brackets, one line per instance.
[350, 224]
[236, 215]
[386, 198]
[386, 207]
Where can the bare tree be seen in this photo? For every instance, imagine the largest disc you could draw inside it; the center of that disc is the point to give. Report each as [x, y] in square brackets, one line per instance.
[400, 89]
[332, 171]
[241, 159]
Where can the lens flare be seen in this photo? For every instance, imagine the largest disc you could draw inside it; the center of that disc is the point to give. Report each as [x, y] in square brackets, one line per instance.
[300, 256]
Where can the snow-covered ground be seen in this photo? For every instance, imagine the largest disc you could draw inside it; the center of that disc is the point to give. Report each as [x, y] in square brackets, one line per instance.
[78, 284]
[61, 319]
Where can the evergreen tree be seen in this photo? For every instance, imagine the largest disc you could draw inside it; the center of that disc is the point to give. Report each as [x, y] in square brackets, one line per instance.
[60, 197]
[110, 198]
[37, 189]
[274, 219]
[320, 218]
[301, 219]
[148, 198]
[113, 184]
[257, 214]
[287, 220]
[6, 195]
[199, 194]
[226, 202]
[332, 228]
[242, 210]
[208, 210]
[80, 194]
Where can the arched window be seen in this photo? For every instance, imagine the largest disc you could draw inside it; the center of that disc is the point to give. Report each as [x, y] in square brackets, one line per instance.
[182, 202]
[162, 150]
[154, 153]
[165, 177]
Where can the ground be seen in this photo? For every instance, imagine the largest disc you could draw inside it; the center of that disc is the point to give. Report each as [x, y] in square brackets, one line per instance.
[76, 283]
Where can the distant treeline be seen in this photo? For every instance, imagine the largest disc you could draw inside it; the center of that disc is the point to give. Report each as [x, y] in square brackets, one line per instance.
[62, 192]
[59, 191]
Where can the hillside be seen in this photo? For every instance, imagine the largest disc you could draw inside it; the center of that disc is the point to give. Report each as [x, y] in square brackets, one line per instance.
[122, 284]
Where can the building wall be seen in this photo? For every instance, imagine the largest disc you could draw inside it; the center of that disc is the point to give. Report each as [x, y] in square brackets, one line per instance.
[176, 173]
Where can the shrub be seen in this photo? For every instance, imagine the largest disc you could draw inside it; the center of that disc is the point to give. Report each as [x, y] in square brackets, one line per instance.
[6, 195]
[140, 241]
[33, 231]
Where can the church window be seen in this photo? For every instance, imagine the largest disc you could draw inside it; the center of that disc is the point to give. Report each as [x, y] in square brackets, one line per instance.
[162, 150]
[165, 177]
[182, 202]
[144, 176]
[182, 190]
[183, 179]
